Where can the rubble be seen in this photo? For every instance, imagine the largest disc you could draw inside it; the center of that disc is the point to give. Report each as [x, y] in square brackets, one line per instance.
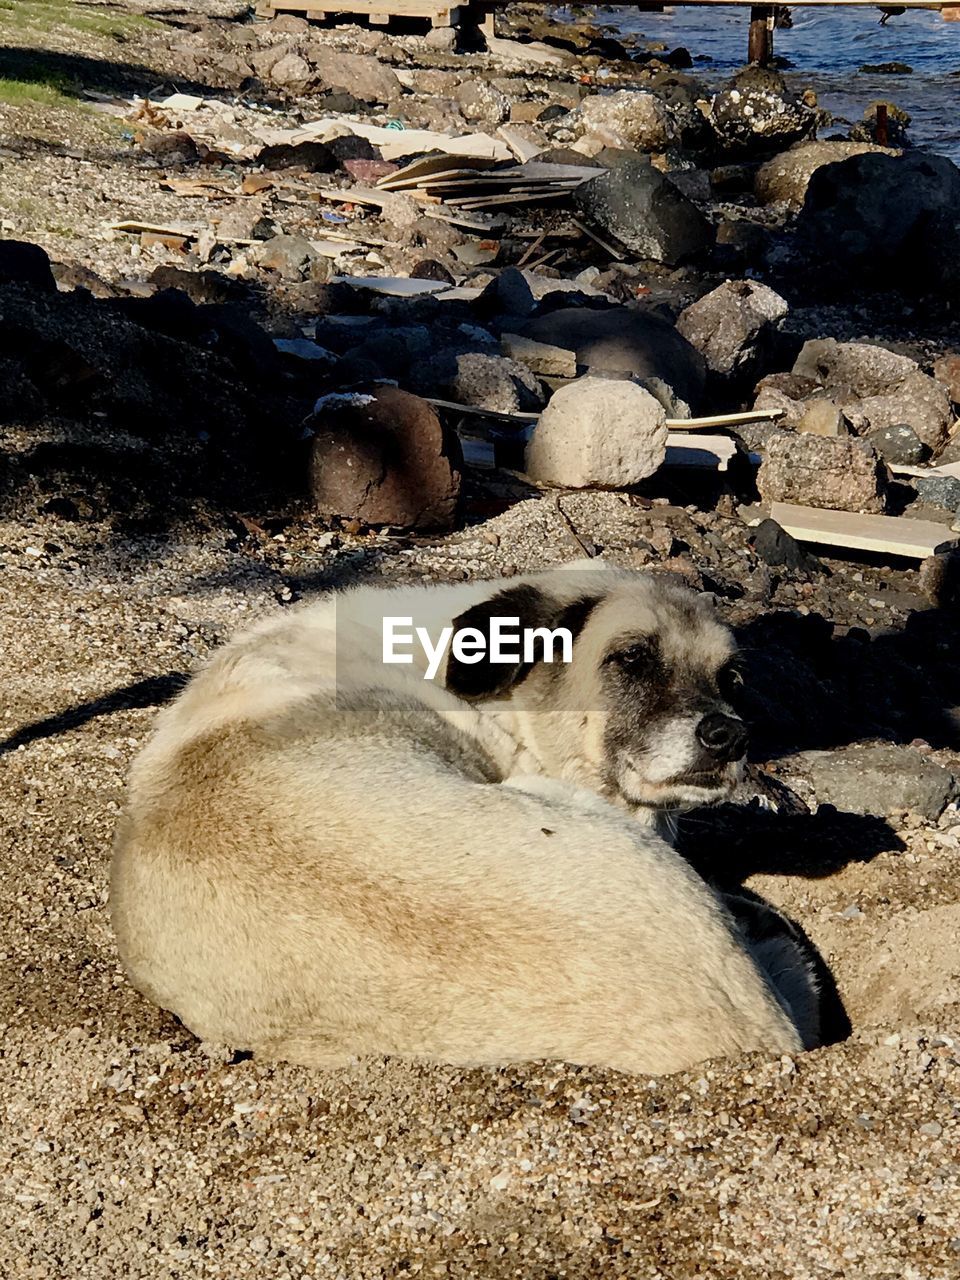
[877, 388]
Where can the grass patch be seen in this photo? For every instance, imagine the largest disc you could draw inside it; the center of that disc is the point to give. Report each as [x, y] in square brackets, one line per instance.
[23, 93]
[44, 15]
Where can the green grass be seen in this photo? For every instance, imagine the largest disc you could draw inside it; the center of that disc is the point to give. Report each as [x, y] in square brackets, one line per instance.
[23, 93]
[44, 15]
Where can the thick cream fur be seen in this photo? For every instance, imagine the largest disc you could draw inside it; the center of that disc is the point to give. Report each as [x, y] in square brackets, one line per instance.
[323, 856]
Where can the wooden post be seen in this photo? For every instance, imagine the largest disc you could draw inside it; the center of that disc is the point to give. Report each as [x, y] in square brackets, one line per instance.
[760, 48]
[883, 125]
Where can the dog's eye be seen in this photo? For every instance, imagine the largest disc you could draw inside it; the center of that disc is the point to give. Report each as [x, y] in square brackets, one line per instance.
[729, 682]
[636, 659]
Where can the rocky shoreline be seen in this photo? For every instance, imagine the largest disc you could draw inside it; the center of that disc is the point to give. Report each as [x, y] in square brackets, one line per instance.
[287, 306]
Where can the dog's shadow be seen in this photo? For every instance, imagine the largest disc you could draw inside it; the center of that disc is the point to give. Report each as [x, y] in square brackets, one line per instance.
[730, 843]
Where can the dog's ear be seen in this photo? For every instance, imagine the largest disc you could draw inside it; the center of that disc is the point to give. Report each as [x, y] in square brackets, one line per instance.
[534, 608]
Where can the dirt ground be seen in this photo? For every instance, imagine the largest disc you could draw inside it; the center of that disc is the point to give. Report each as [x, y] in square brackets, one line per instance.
[126, 1149]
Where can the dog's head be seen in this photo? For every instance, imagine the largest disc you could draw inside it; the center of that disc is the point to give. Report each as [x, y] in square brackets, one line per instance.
[644, 710]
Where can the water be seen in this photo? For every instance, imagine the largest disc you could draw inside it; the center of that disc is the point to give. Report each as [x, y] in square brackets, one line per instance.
[826, 49]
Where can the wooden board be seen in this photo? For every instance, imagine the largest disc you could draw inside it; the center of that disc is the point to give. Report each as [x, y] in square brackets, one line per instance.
[889, 535]
[709, 453]
[440, 12]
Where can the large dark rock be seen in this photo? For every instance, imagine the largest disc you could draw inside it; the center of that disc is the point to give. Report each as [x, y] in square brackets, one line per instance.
[25, 263]
[382, 456]
[885, 221]
[643, 209]
[628, 344]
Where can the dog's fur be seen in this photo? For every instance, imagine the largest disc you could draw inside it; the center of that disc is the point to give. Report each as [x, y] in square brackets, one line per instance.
[325, 856]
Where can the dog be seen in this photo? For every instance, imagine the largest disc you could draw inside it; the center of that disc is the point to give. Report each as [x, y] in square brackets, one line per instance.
[324, 854]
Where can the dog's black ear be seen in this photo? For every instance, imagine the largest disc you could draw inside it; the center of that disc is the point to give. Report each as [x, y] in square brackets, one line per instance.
[533, 608]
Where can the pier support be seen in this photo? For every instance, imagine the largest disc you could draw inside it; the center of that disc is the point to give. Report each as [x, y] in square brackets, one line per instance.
[760, 48]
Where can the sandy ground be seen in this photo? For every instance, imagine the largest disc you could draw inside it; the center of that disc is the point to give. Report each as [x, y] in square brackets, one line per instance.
[128, 1150]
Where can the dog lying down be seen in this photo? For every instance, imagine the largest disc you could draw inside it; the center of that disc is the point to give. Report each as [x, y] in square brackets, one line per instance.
[325, 854]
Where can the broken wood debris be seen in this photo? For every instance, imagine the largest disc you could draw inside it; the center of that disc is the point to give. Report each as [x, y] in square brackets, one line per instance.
[482, 185]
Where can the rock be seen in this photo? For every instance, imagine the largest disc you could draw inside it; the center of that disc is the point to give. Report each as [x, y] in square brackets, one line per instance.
[382, 456]
[644, 211]
[823, 418]
[289, 24]
[897, 124]
[843, 475]
[290, 256]
[358, 74]
[626, 343]
[517, 292]
[865, 368]
[755, 118]
[939, 578]
[629, 119]
[878, 388]
[784, 179]
[734, 326]
[692, 183]
[430, 269]
[939, 491]
[442, 38]
[780, 549]
[496, 382]
[316, 157]
[947, 371]
[899, 443]
[885, 221]
[540, 357]
[479, 100]
[886, 69]
[484, 381]
[293, 73]
[598, 433]
[24, 263]
[881, 780]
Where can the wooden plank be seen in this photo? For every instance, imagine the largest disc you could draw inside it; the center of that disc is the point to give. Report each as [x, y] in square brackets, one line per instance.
[394, 286]
[950, 469]
[434, 167]
[888, 535]
[709, 453]
[521, 146]
[726, 419]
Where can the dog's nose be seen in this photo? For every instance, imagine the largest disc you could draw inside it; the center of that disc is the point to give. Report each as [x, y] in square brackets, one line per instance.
[725, 737]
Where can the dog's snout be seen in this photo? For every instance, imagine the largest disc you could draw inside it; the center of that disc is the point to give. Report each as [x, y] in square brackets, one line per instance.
[725, 737]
